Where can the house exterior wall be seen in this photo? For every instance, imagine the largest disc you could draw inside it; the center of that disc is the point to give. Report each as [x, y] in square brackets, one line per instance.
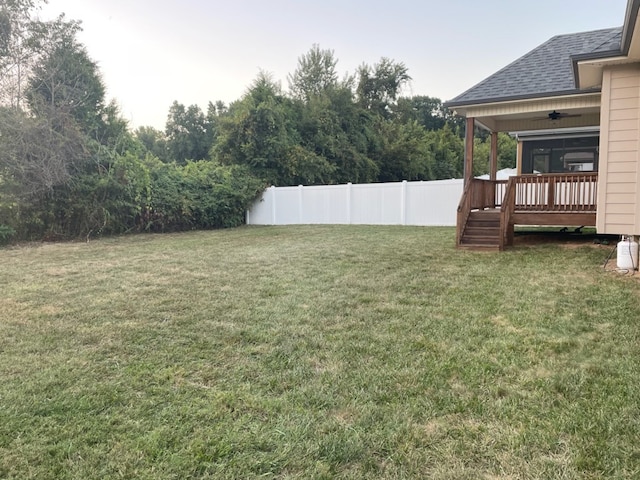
[619, 174]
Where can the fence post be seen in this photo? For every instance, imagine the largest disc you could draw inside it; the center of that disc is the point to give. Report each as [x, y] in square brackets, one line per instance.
[273, 204]
[300, 202]
[403, 203]
[349, 203]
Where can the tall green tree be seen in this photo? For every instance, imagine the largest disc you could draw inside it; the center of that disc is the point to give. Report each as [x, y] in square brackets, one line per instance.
[65, 78]
[404, 152]
[66, 81]
[215, 111]
[448, 152]
[379, 86]
[187, 134]
[44, 145]
[427, 111]
[260, 132]
[338, 130]
[316, 73]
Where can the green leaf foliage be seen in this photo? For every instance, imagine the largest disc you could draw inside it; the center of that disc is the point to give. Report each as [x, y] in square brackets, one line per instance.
[6, 234]
[199, 195]
[188, 133]
[137, 195]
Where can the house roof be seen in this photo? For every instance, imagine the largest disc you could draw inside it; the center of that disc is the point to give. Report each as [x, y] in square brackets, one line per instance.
[546, 71]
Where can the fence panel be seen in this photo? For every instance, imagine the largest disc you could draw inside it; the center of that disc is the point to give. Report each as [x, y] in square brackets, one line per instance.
[376, 204]
[399, 203]
[325, 204]
[433, 203]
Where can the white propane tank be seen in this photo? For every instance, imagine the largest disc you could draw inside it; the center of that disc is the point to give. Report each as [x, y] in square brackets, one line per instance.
[627, 254]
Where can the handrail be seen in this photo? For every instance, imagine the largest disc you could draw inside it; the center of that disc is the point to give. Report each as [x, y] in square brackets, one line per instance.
[506, 211]
[464, 209]
[478, 194]
[486, 193]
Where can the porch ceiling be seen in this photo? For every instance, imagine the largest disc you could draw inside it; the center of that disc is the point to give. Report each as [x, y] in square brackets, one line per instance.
[533, 114]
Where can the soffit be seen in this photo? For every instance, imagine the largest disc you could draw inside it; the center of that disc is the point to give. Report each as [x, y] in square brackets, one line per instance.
[533, 114]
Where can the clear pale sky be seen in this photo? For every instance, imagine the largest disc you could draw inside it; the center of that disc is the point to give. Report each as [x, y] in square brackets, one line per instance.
[152, 52]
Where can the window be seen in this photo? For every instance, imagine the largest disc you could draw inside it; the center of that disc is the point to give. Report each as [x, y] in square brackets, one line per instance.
[577, 154]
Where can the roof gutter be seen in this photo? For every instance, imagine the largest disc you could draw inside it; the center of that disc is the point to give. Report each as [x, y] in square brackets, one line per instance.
[582, 57]
[473, 103]
[630, 20]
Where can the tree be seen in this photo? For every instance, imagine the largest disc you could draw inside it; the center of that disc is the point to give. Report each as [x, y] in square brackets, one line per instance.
[215, 111]
[112, 132]
[427, 111]
[153, 141]
[448, 152]
[187, 133]
[38, 153]
[507, 151]
[45, 146]
[405, 152]
[64, 77]
[256, 132]
[336, 129]
[260, 132]
[379, 86]
[66, 81]
[315, 74]
[17, 49]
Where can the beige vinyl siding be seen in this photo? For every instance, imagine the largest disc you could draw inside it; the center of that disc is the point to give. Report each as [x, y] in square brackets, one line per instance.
[624, 114]
[619, 170]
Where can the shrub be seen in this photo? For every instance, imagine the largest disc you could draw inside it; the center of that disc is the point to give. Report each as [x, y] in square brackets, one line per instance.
[6, 234]
[134, 194]
[200, 195]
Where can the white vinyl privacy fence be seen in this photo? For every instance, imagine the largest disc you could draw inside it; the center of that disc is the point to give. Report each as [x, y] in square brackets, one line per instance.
[401, 203]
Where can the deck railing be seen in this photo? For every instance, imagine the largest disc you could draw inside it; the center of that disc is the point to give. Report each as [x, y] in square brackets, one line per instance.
[534, 193]
[558, 192]
[486, 193]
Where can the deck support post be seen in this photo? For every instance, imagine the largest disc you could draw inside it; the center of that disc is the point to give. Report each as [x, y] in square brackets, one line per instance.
[519, 158]
[493, 159]
[468, 149]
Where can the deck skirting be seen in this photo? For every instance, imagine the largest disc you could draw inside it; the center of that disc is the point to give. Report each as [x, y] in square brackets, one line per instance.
[587, 219]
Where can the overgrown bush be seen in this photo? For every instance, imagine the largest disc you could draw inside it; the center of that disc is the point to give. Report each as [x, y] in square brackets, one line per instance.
[137, 194]
[199, 195]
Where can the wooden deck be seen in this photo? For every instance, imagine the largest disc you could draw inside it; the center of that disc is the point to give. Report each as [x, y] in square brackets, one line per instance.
[565, 199]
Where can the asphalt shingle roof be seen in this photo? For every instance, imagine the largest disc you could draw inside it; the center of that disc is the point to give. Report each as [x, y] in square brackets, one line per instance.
[546, 70]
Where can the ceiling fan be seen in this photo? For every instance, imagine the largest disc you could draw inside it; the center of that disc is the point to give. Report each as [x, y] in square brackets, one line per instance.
[555, 115]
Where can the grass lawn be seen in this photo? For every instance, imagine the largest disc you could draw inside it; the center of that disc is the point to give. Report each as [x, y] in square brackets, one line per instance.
[316, 352]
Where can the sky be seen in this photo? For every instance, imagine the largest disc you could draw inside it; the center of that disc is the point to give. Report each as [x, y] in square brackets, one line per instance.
[153, 52]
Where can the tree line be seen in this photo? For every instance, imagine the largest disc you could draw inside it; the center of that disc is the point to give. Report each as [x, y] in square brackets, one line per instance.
[70, 165]
[326, 130]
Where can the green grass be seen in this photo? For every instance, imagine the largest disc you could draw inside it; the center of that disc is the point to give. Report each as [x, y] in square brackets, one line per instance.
[316, 352]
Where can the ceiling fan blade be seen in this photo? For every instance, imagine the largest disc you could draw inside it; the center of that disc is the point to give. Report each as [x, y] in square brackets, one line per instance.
[555, 115]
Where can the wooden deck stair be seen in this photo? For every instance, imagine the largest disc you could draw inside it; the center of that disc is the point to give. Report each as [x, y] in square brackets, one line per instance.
[482, 230]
